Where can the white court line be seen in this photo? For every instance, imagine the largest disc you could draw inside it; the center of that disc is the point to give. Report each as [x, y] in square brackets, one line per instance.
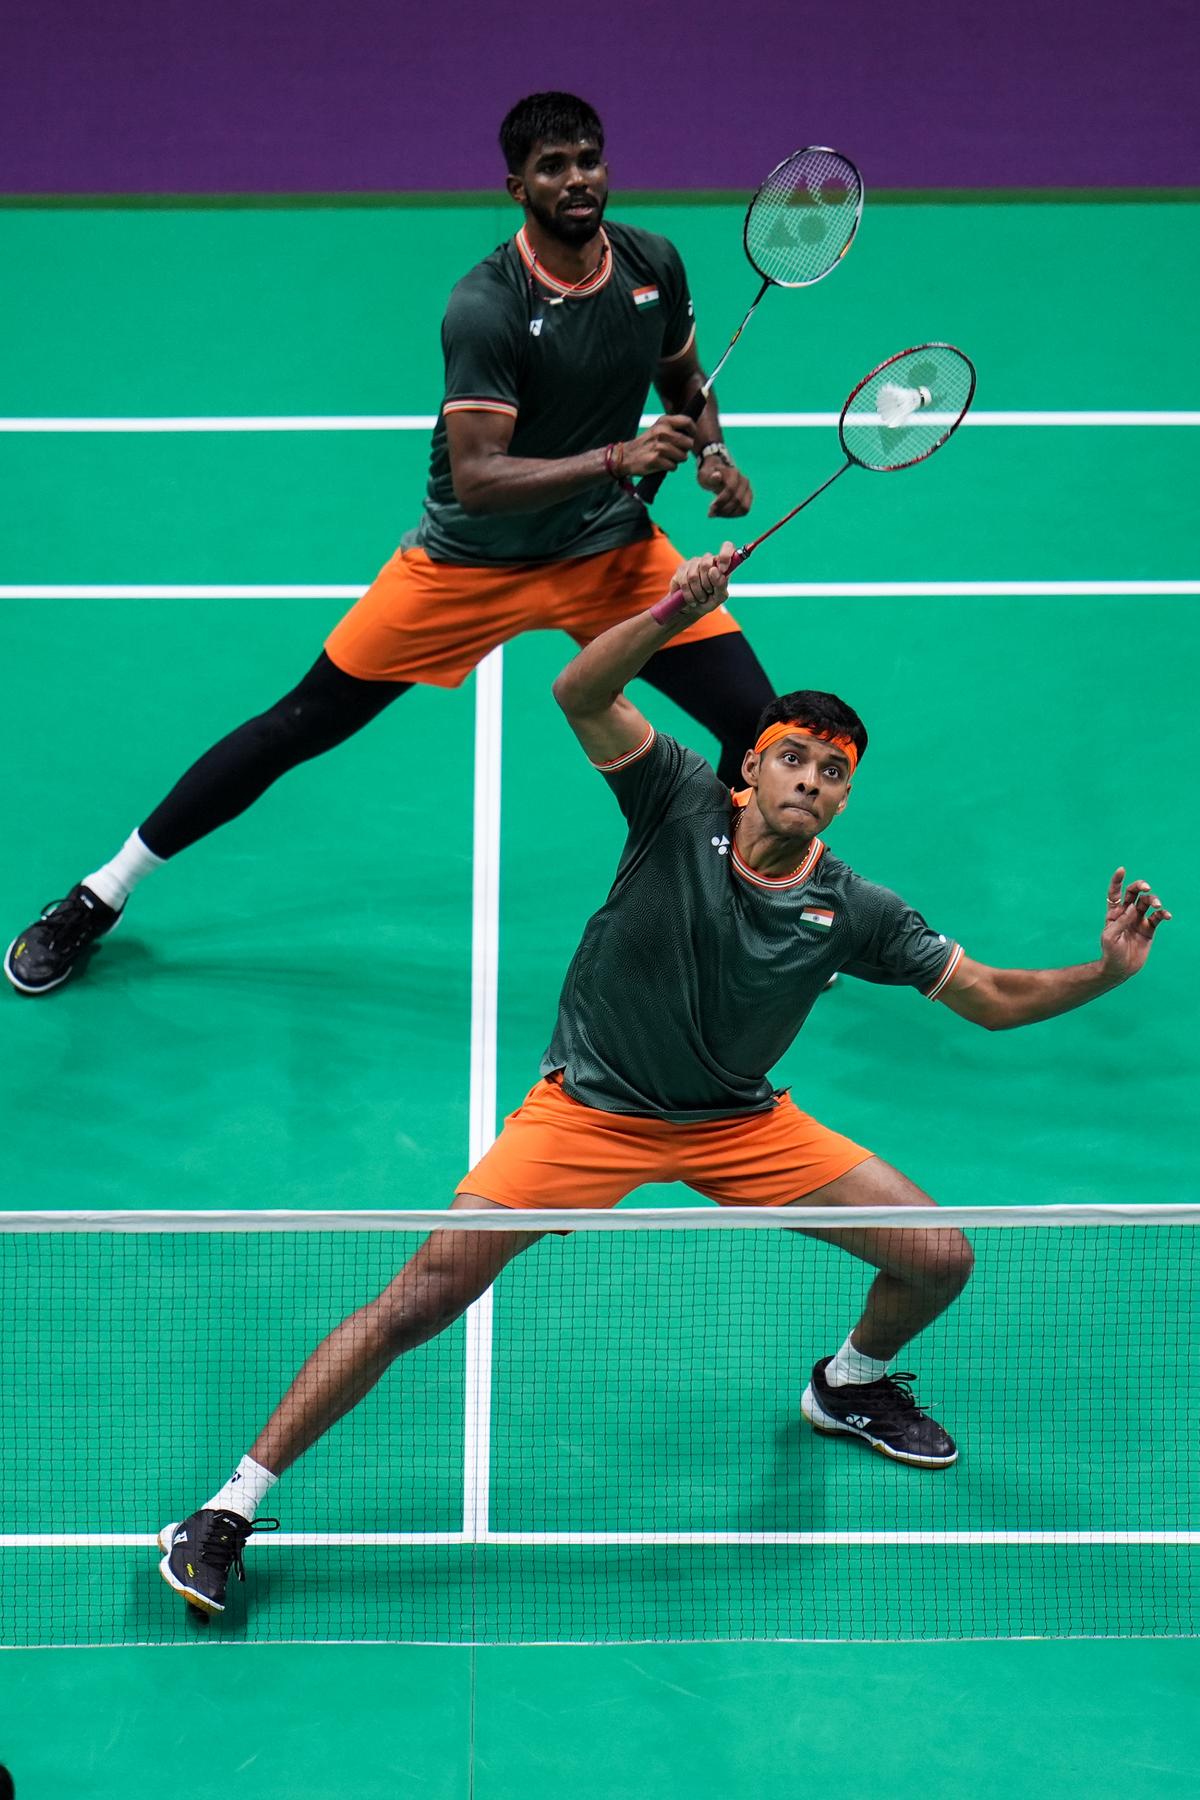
[426, 421]
[485, 972]
[739, 590]
[320, 1540]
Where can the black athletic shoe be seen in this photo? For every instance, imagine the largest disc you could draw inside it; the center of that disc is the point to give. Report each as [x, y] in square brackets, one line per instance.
[201, 1552]
[881, 1413]
[45, 953]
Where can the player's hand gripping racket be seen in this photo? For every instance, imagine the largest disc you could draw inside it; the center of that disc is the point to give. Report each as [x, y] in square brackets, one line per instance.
[896, 417]
[799, 225]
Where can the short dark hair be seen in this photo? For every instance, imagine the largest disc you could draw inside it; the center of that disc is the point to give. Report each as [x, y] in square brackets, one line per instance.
[552, 118]
[824, 711]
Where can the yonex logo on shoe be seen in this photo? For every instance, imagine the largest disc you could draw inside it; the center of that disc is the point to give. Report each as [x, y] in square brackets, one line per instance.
[858, 1420]
[721, 846]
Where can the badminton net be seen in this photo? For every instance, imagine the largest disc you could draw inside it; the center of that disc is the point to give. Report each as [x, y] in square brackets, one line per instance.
[610, 1447]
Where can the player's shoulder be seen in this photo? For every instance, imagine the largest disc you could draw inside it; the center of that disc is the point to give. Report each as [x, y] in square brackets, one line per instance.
[496, 280]
[657, 255]
[666, 764]
[854, 888]
[869, 904]
[692, 777]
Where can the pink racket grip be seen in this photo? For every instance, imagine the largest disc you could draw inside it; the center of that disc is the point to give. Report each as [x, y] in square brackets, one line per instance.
[665, 609]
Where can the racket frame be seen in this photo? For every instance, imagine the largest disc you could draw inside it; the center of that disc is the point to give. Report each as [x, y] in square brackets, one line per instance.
[895, 468]
[665, 609]
[649, 485]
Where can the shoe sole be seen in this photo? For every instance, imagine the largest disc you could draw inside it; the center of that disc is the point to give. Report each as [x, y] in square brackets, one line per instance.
[829, 1426]
[23, 987]
[48, 987]
[201, 1604]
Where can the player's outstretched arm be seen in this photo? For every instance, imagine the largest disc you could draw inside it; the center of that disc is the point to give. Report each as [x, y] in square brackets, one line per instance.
[590, 689]
[678, 379]
[1001, 998]
[488, 480]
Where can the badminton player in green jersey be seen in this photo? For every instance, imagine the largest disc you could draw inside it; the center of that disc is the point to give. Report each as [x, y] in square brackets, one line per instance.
[551, 345]
[726, 918]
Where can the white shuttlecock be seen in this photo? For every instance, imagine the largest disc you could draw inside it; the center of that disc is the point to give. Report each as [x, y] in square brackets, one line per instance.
[895, 404]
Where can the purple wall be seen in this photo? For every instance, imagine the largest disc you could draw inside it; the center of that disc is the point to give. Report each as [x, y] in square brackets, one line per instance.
[219, 96]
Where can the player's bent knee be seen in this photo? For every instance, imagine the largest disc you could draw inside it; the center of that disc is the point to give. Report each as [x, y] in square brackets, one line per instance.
[951, 1262]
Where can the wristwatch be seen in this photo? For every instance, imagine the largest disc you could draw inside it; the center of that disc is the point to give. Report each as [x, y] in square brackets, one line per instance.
[716, 448]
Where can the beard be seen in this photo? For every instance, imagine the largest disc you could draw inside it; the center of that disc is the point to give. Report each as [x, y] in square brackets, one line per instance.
[574, 232]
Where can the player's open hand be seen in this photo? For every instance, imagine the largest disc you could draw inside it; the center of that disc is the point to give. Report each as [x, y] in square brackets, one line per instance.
[704, 582]
[732, 494]
[1130, 922]
[662, 448]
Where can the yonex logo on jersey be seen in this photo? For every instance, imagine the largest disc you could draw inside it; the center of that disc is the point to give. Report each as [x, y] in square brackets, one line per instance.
[721, 846]
[817, 915]
[535, 327]
[645, 296]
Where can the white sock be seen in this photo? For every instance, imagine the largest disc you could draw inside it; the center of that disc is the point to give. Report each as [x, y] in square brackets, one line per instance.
[851, 1367]
[245, 1490]
[116, 880]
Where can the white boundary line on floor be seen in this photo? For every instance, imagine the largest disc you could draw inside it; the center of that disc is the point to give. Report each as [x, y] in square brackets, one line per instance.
[790, 421]
[325, 1540]
[485, 978]
[739, 590]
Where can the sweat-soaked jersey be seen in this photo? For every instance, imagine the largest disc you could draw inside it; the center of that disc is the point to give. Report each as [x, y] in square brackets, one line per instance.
[695, 975]
[573, 368]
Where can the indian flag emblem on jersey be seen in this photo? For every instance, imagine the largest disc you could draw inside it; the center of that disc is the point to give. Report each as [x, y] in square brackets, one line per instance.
[645, 296]
[817, 915]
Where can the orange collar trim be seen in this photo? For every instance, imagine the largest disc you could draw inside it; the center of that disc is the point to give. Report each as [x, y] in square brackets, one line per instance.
[796, 879]
[566, 289]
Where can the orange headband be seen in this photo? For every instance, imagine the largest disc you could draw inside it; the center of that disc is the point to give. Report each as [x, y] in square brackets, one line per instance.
[773, 733]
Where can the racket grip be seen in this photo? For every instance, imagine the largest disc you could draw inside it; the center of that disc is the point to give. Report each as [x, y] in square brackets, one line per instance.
[664, 610]
[649, 485]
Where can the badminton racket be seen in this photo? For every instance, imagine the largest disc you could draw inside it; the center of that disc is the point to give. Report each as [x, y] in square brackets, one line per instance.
[799, 225]
[896, 417]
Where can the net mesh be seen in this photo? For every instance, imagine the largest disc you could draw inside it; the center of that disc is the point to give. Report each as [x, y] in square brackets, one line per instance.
[935, 381]
[619, 1457]
[803, 218]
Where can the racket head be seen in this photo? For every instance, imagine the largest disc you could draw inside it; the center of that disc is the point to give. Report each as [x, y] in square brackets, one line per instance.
[941, 371]
[803, 218]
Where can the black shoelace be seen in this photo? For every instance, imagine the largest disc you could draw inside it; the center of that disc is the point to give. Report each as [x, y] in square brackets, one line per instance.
[892, 1396]
[222, 1544]
[70, 922]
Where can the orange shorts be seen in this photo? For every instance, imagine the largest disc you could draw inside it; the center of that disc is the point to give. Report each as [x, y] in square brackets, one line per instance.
[435, 622]
[554, 1151]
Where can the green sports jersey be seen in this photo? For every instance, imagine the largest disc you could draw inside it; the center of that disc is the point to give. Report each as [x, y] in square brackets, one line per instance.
[697, 972]
[573, 367]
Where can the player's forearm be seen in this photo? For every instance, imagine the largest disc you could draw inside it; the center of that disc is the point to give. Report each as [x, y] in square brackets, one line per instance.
[594, 678]
[499, 483]
[1011, 997]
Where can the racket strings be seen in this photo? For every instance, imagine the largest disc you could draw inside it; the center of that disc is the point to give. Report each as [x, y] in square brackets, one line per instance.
[907, 408]
[803, 218]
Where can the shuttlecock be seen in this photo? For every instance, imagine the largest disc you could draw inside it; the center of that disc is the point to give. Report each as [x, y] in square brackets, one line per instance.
[895, 404]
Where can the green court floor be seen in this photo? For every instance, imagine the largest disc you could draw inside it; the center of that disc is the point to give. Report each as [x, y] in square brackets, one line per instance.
[283, 1018]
